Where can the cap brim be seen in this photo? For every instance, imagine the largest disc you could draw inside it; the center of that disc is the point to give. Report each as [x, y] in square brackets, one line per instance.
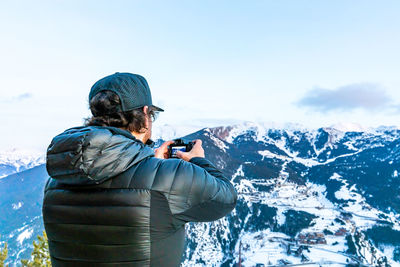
[157, 108]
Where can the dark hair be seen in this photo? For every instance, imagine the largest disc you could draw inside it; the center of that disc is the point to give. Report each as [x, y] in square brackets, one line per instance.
[108, 102]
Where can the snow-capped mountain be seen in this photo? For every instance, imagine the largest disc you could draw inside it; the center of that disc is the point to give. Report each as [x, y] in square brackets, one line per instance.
[323, 196]
[304, 196]
[16, 160]
[170, 132]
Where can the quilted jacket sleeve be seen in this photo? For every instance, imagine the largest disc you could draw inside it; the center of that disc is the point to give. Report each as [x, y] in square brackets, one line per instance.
[200, 192]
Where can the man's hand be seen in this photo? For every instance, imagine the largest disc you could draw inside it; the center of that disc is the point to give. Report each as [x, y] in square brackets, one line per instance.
[196, 151]
[162, 151]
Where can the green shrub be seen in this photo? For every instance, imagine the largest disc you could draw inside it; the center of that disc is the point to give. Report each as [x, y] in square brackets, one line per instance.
[40, 255]
[3, 255]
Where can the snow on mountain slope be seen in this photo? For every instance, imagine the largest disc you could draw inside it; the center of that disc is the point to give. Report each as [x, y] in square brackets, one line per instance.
[16, 160]
[349, 127]
[170, 132]
[304, 196]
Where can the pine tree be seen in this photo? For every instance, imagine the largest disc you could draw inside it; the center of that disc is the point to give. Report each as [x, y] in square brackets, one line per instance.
[3, 255]
[40, 255]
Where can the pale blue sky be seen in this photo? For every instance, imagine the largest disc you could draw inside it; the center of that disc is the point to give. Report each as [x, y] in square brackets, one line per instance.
[280, 61]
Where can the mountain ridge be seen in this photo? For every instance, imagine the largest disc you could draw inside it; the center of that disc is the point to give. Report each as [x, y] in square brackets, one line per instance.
[16, 160]
[296, 187]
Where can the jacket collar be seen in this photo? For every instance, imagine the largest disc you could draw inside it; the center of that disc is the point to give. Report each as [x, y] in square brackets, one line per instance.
[127, 134]
[93, 154]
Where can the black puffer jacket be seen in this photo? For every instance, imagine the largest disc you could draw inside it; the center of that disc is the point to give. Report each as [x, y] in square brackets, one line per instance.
[110, 202]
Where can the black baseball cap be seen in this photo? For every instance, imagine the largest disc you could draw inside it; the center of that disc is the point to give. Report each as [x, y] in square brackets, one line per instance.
[132, 89]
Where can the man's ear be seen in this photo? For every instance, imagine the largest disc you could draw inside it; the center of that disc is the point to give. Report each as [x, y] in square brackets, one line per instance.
[146, 109]
[146, 112]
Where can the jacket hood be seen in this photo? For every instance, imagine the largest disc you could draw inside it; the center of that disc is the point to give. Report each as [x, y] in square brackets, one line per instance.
[93, 154]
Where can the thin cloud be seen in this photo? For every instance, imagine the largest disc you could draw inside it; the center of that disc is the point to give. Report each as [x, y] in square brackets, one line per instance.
[17, 98]
[395, 109]
[367, 96]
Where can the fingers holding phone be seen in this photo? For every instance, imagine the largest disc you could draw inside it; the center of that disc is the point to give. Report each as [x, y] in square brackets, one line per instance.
[162, 151]
[196, 151]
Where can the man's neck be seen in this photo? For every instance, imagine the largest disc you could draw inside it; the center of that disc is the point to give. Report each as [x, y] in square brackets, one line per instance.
[139, 136]
[142, 138]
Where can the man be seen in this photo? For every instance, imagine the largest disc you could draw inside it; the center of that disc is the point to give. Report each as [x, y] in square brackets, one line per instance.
[113, 201]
